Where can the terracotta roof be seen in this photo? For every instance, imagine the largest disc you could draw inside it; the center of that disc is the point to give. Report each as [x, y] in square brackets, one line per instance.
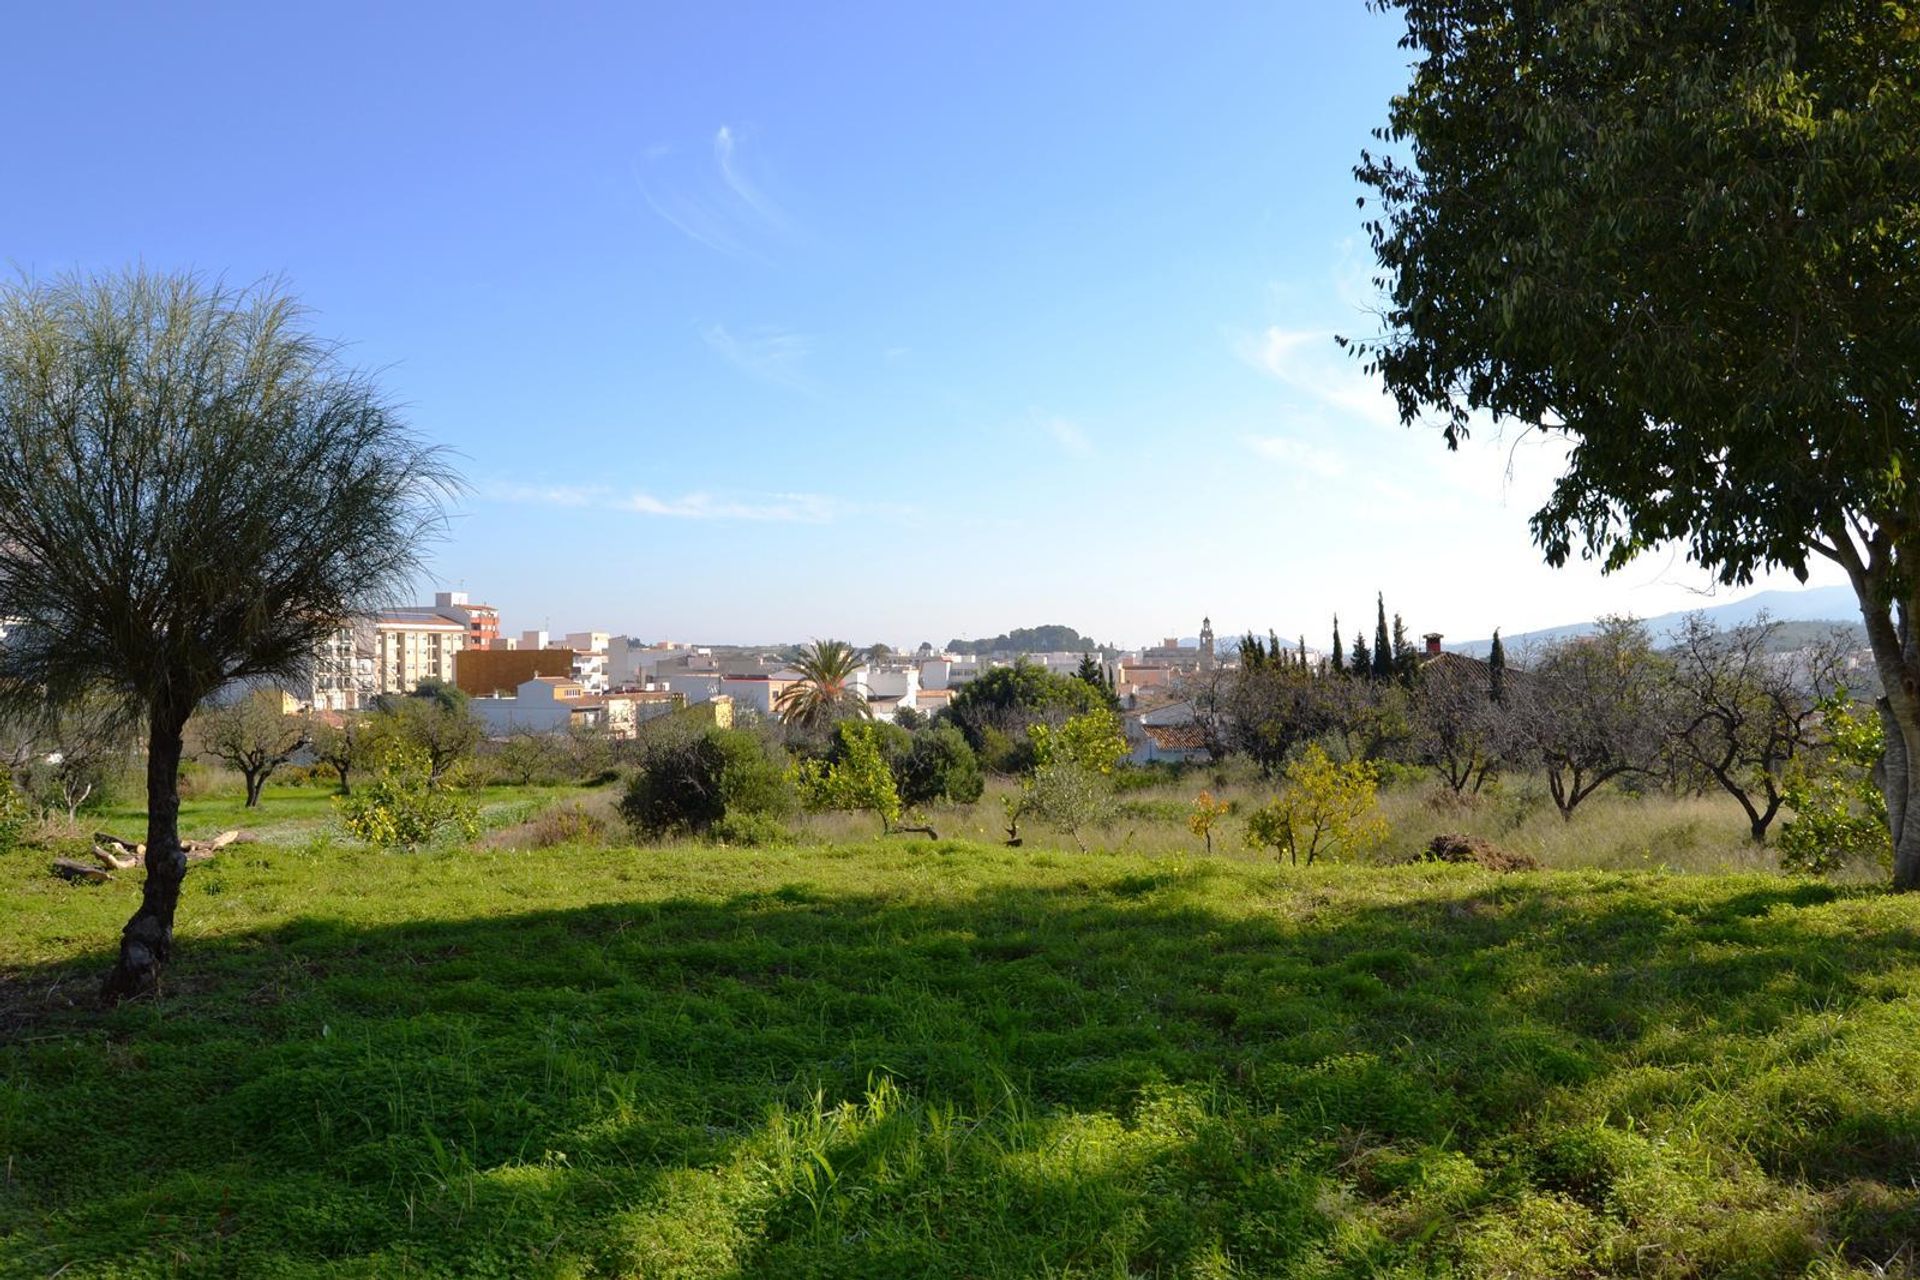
[1176, 737]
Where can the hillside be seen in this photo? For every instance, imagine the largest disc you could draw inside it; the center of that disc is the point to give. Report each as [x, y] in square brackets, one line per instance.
[1828, 607]
[956, 1060]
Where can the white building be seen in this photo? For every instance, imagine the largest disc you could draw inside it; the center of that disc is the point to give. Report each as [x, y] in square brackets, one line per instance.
[342, 676]
[412, 645]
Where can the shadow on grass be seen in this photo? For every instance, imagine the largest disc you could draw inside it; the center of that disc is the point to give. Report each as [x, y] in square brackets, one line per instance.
[1146, 1076]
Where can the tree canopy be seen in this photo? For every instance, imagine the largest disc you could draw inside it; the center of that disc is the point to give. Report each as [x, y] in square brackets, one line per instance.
[1685, 238]
[194, 490]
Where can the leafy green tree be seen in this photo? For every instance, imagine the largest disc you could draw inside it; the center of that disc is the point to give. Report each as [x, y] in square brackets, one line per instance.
[1271, 710]
[1009, 701]
[826, 691]
[220, 494]
[1339, 658]
[1839, 812]
[401, 807]
[253, 736]
[1682, 237]
[1327, 810]
[444, 729]
[860, 780]
[939, 766]
[1071, 786]
[690, 780]
[1360, 662]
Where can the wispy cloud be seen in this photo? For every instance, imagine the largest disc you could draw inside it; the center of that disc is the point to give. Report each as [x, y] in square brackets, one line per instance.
[1307, 361]
[1069, 435]
[722, 207]
[550, 495]
[788, 508]
[1299, 455]
[742, 186]
[771, 355]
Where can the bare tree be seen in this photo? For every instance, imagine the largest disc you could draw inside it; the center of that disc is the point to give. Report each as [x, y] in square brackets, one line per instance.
[80, 750]
[340, 747]
[1746, 711]
[1595, 708]
[193, 491]
[1461, 725]
[253, 735]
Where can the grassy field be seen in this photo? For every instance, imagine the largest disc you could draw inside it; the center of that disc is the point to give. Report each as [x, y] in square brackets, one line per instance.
[918, 1058]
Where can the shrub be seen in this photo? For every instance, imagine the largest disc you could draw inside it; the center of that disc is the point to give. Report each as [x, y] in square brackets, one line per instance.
[940, 765]
[687, 782]
[566, 824]
[860, 780]
[1327, 809]
[1205, 816]
[14, 814]
[1840, 813]
[401, 807]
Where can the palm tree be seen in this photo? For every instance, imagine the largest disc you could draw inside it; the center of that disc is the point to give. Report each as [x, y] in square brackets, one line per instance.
[825, 691]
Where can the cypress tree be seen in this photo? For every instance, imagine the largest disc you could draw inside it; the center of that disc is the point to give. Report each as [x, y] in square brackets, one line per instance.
[1382, 643]
[1253, 654]
[1273, 646]
[1405, 661]
[1339, 657]
[1303, 654]
[1360, 660]
[1497, 670]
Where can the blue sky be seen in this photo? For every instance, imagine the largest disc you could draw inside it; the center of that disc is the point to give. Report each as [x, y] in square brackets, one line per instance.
[756, 322]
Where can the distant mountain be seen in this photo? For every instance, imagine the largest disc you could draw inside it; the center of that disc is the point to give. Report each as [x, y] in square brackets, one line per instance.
[1831, 605]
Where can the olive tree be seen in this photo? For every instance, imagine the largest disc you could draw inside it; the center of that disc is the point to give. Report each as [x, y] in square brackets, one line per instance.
[194, 490]
[1746, 712]
[1685, 238]
[252, 735]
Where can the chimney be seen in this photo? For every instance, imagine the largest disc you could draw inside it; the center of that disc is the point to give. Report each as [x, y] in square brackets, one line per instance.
[1433, 644]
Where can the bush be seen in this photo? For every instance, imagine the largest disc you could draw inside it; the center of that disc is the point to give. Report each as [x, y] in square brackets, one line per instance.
[401, 807]
[566, 824]
[939, 766]
[14, 814]
[1327, 810]
[687, 782]
[1839, 811]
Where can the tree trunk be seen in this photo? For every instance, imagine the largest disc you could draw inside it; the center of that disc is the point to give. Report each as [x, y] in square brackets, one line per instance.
[147, 940]
[254, 784]
[1897, 783]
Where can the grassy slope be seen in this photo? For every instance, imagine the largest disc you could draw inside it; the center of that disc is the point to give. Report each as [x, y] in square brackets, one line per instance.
[956, 1060]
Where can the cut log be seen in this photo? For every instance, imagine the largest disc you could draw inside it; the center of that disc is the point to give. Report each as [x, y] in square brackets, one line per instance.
[127, 847]
[116, 861]
[201, 850]
[68, 869]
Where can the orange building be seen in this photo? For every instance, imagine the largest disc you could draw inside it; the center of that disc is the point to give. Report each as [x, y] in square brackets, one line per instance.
[483, 673]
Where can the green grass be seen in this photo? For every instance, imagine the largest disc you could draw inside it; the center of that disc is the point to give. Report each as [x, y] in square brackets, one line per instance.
[914, 1059]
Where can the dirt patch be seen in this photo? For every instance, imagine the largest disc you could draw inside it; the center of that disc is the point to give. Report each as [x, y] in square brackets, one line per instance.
[1477, 851]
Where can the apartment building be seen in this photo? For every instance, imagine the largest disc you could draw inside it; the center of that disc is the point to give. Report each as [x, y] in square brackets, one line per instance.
[412, 645]
[482, 621]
